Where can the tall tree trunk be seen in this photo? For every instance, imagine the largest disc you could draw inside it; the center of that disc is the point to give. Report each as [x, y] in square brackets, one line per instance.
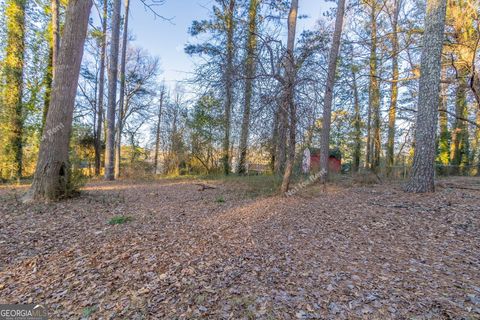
[459, 148]
[121, 103]
[423, 171]
[357, 125]
[281, 143]
[55, 32]
[157, 133]
[11, 150]
[101, 88]
[374, 92]
[51, 179]
[53, 55]
[230, 25]
[48, 80]
[112, 91]
[274, 144]
[444, 139]
[289, 91]
[328, 97]
[249, 75]
[392, 112]
[368, 152]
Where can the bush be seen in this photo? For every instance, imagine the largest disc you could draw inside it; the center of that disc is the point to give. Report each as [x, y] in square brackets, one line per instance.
[76, 180]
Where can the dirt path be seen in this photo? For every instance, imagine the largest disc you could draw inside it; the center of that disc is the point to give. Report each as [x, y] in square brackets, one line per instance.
[358, 252]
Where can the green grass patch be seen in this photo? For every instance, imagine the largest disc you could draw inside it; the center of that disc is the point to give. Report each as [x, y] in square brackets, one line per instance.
[220, 200]
[119, 220]
[88, 311]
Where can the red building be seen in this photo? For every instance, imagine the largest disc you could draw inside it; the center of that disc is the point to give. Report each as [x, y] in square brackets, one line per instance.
[334, 160]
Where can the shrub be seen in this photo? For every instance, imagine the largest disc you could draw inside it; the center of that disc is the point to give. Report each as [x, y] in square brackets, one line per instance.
[76, 180]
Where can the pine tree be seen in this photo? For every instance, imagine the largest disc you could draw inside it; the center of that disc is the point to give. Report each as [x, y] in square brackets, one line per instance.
[392, 112]
[101, 88]
[249, 75]
[112, 91]
[423, 171]
[121, 102]
[230, 28]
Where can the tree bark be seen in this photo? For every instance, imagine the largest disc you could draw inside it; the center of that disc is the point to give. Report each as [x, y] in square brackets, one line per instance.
[121, 103]
[157, 133]
[274, 144]
[444, 139]
[281, 143]
[101, 87]
[112, 91]
[51, 179]
[289, 91]
[356, 125]
[459, 147]
[53, 56]
[11, 150]
[249, 75]
[55, 33]
[374, 93]
[392, 112]
[328, 97]
[423, 172]
[230, 25]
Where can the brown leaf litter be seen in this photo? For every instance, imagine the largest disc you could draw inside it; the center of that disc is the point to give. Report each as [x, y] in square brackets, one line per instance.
[349, 253]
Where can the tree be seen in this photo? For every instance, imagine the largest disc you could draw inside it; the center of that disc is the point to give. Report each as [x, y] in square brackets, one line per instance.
[230, 27]
[444, 136]
[288, 94]
[112, 91]
[158, 128]
[463, 43]
[217, 72]
[53, 54]
[55, 7]
[121, 102]
[249, 76]
[205, 124]
[460, 142]
[423, 171]
[141, 70]
[101, 87]
[52, 174]
[12, 110]
[392, 112]
[357, 122]
[328, 97]
[373, 147]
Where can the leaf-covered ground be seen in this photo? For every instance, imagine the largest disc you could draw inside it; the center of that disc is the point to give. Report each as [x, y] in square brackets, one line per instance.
[369, 252]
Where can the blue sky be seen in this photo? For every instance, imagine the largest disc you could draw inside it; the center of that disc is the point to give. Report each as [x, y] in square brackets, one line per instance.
[167, 39]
